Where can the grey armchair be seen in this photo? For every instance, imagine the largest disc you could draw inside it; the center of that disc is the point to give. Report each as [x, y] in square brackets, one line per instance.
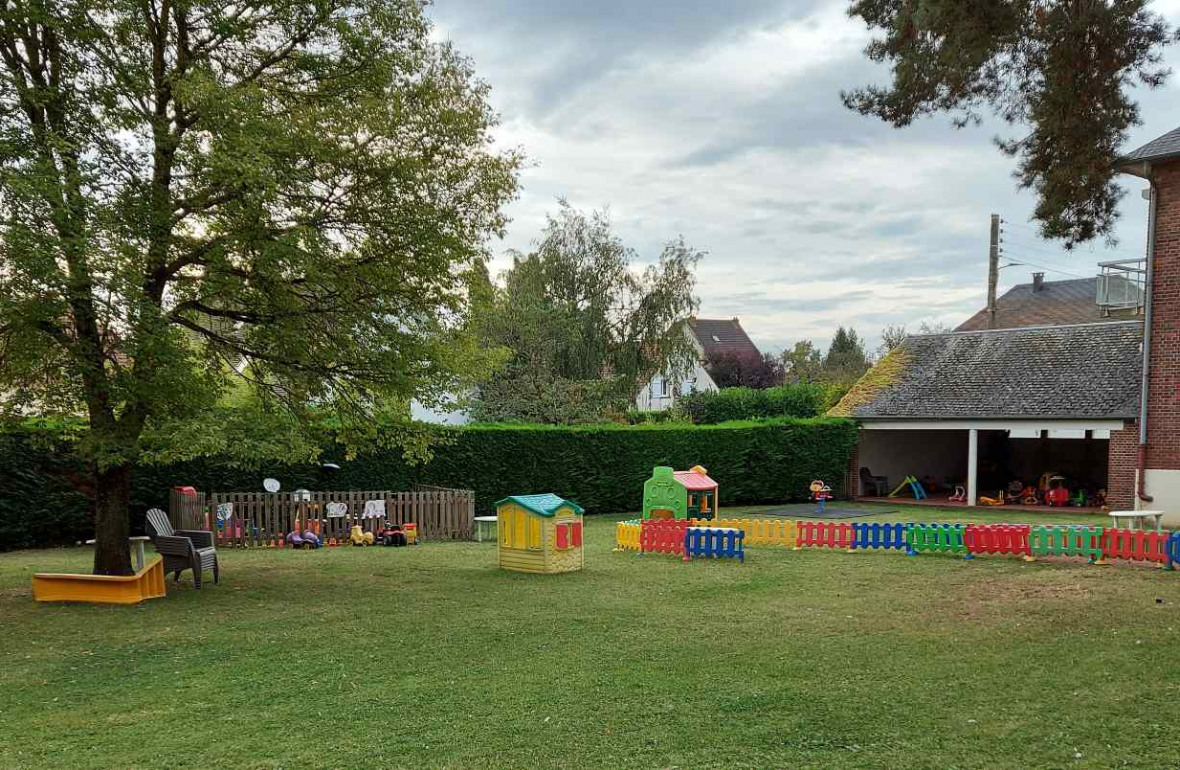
[182, 548]
[874, 486]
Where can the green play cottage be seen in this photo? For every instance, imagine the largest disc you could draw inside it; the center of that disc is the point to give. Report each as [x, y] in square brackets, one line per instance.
[672, 494]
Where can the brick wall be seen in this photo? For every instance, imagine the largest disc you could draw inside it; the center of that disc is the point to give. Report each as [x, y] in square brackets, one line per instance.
[1163, 421]
[1122, 460]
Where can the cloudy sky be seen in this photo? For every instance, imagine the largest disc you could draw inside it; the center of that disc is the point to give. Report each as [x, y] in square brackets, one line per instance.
[720, 120]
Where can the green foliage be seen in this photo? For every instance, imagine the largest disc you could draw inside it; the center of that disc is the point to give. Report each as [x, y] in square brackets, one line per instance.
[42, 492]
[1060, 71]
[802, 399]
[803, 362]
[730, 370]
[584, 329]
[601, 467]
[641, 417]
[294, 194]
[846, 359]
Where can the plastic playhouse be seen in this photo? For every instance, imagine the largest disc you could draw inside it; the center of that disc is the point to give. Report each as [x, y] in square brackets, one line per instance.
[680, 495]
[539, 533]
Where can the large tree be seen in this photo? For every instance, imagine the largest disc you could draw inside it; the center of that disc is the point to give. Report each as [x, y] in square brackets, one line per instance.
[1059, 70]
[585, 327]
[197, 191]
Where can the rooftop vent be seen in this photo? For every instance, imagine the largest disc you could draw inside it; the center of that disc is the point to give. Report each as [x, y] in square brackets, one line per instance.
[1038, 281]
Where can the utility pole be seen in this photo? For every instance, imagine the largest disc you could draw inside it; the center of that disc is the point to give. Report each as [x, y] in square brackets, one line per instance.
[993, 270]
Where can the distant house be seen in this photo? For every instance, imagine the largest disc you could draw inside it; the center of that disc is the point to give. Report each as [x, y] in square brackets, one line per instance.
[711, 337]
[1107, 297]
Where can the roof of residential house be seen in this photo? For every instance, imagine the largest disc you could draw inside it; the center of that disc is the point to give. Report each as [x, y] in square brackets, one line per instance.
[1057, 302]
[1160, 148]
[542, 505]
[721, 337]
[695, 480]
[1047, 372]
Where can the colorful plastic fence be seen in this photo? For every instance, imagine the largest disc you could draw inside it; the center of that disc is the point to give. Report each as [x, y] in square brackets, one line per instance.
[1173, 550]
[714, 542]
[937, 538]
[757, 531]
[1137, 545]
[1011, 539]
[1066, 540]
[879, 535]
[662, 536]
[824, 534]
[627, 535]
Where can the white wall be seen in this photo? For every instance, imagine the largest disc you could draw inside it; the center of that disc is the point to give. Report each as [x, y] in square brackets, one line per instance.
[1164, 486]
[900, 453]
[697, 380]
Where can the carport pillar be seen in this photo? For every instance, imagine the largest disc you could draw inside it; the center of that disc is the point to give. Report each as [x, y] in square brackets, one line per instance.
[972, 465]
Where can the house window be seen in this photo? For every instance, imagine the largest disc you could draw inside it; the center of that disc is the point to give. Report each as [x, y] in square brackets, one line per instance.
[659, 387]
[505, 527]
[520, 528]
[687, 387]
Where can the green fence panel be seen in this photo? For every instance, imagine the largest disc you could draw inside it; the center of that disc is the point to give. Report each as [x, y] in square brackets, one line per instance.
[937, 538]
[1066, 540]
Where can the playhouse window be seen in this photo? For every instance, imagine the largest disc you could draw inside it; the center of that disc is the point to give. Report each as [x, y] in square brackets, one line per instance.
[576, 534]
[534, 533]
[505, 525]
[563, 536]
[520, 529]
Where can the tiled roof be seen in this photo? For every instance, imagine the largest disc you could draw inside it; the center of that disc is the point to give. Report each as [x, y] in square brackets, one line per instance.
[718, 337]
[1058, 302]
[542, 505]
[1160, 148]
[694, 481]
[1064, 372]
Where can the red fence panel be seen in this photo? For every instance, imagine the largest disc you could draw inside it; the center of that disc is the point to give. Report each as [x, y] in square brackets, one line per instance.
[1135, 545]
[829, 534]
[997, 538]
[662, 536]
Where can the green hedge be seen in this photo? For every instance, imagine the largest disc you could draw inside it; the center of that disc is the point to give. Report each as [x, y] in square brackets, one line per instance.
[600, 467]
[802, 399]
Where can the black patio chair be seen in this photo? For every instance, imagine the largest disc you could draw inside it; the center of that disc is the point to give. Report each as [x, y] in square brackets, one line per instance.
[182, 548]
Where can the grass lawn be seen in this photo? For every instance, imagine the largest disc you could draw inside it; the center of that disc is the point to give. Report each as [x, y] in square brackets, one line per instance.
[430, 656]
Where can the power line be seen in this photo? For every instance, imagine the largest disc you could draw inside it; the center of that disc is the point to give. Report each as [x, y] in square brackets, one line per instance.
[1027, 263]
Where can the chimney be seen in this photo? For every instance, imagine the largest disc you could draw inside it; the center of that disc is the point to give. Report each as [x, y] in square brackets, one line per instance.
[1038, 282]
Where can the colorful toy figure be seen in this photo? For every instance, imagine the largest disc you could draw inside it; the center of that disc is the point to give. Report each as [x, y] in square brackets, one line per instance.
[359, 537]
[820, 493]
[539, 533]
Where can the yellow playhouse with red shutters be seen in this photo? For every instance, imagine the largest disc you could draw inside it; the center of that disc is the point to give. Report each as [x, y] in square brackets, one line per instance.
[539, 533]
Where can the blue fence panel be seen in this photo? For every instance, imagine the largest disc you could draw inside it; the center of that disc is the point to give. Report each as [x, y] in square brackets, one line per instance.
[885, 535]
[715, 542]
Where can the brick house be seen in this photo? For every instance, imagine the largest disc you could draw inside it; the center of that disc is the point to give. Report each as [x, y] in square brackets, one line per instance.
[1062, 378]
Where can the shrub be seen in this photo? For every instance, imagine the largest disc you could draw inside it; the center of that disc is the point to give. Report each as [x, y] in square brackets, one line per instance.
[47, 499]
[802, 399]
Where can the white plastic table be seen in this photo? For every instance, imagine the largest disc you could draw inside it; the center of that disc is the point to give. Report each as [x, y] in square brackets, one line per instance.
[1136, 519]
[479, 522]
[136, 541]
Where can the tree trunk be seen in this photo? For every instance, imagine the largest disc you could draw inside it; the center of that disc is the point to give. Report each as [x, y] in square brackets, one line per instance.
[112, 520]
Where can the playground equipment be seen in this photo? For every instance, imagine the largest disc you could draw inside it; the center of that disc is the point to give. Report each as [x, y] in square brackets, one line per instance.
[672, 494]
[147, 583]
[914, 485]
[820, 493]
[539, 533]
[359, 536]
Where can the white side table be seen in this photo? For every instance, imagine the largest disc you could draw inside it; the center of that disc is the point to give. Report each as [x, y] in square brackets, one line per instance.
[1136, 519]
[479, 522]
[138, 542]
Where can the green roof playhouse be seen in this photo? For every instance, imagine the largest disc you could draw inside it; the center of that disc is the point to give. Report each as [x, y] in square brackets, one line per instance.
[671, 494]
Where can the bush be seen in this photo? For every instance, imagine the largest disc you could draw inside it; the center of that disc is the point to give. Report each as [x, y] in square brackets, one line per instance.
[47, 500]
[803, 399]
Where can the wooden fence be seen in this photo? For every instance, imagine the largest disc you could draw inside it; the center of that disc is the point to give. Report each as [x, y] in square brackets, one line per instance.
[260, 518]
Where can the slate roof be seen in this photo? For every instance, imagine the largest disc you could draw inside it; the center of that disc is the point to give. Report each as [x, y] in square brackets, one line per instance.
[718, 337]
[1160, 148]
[1058, 302]
[1050, 372]
[542, 505]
